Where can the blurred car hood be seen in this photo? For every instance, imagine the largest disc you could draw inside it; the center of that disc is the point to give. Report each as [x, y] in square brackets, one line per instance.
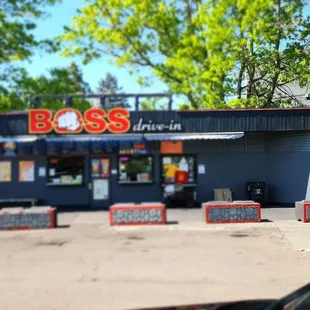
[238, 305]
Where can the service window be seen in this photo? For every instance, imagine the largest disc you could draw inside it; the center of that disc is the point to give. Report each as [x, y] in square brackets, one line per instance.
[135, 169]
[178, 169]
[66, 170]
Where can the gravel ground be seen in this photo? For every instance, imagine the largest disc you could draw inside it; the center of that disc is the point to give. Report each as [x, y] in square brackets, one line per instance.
[89, 266]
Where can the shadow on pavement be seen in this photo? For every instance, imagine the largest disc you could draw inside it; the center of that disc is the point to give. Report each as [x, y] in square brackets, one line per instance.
[80, 209]
[172, 222]
[63, 226]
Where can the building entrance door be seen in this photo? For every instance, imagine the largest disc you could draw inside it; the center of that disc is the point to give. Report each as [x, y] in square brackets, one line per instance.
[99, 182]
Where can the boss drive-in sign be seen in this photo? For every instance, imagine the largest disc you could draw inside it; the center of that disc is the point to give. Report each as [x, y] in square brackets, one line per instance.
[93, 121]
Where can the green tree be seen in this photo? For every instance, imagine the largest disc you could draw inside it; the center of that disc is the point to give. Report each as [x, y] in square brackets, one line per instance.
[271, 51]
[17, 42]
[222, 53]
[109, 86]
[76, 74]
[153, 103]
[58, 81]
[17, 22]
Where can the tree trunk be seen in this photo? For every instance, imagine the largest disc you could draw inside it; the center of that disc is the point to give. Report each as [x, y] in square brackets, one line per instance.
[240, 79]
[193, 102]
[275, 77]
[251, 72]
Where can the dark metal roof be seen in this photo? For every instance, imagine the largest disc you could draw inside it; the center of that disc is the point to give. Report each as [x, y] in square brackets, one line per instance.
[254, 120]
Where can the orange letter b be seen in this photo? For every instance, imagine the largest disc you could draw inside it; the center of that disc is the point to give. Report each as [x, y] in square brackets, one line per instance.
[40, 121]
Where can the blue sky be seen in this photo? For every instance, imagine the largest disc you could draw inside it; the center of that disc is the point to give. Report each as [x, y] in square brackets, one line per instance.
[60, 16]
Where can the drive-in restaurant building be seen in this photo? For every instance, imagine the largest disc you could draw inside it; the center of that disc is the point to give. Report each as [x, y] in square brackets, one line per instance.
[100, 157]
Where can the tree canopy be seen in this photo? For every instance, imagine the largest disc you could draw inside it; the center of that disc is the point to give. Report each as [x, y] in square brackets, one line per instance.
[109, 86]
[59, 81]
[17, 42]
[223, 53]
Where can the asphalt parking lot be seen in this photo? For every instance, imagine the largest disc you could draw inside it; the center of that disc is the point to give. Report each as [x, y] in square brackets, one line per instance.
[88, 265]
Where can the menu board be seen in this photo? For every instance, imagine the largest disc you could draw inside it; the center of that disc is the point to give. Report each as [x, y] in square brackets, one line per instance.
[100, 167]
[26, 171]
[5, 171]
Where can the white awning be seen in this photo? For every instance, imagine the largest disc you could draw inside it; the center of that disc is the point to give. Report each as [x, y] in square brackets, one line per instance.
[127, 137]
[93, 138]
[19, 139]
[195, 136]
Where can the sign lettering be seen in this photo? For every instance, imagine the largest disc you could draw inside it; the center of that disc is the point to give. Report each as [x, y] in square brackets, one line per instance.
[94, 121]
[71, 121]
[150, 126]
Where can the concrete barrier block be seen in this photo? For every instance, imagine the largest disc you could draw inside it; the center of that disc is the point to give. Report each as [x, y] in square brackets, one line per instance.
[233, 212]
[206, 204]
[299, 210]
[139, 214]
[32, 218]
[13, 209]
[302, 211]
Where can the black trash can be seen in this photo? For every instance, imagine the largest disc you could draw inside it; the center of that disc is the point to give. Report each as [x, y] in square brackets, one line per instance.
[257, 192]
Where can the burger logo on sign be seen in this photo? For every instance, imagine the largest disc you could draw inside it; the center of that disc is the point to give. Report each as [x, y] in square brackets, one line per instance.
[68, 120]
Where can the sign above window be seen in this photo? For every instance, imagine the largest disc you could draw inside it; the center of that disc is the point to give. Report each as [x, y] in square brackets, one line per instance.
[72, 121]
[150, 126]
[94, 121]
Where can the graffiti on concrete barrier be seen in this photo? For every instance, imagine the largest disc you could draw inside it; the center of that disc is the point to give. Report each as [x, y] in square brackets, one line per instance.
[308, 213]
[137, 216]
[234, 214]
[25, 220]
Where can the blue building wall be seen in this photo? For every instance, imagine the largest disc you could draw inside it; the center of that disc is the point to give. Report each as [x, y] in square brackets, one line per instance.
[288, 166]
[282, 160]
[51, 195]
[230, 164]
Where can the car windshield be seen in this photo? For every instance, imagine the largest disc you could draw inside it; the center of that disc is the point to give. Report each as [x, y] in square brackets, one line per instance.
[154, 154]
